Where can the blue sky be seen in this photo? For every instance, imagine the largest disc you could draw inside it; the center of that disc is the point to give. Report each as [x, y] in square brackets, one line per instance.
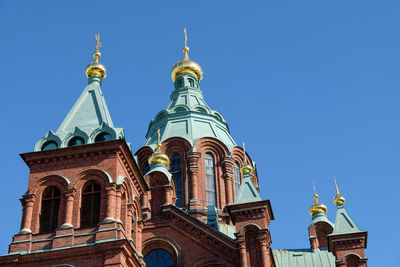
[312, 87]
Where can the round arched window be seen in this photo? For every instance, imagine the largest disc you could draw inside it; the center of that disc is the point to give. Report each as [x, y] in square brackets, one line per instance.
[76, 141]
[49, 145]
[159, 258]
[102, 137]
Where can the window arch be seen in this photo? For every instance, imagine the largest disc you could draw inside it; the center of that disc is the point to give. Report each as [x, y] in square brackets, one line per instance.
[236, 182]
[76, 141]
[176, 172]
[210, 180]
[102, 137]
[146, 167]
[90, 207]
[191, 82]
[50, 208]
[159, 258]
[49, 145]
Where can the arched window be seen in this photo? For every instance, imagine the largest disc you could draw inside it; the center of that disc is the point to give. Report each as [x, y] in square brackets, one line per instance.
[177, 176]
[90, 208]
[179, 84]
[76, 141]
[191, 82]
[49, 145]
[146, 167]
[210, 180]
[236, 174]
[159, 258]
[102, 137]
[50, 207]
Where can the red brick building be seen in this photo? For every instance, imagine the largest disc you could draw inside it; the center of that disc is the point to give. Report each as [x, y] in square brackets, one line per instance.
[188, 197]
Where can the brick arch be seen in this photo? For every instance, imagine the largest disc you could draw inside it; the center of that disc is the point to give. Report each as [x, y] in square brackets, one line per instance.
[238, 156]
[352, 260]
[209, 144]
[250, 227]
[214, 262]
[167, 244]
[143, 155]
[321, 230]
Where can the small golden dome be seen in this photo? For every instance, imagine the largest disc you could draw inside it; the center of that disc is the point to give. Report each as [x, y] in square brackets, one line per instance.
[339, 199]
[246, 167]
[317, 206]
[95, 68]
[186, 66]
[158, 156]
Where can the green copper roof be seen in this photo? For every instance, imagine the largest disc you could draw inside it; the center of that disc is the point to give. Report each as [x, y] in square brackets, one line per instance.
[87, 118]
[319, 217]
[343, 223]
[303, 258]
[247, 191]
[159, 167]
[188, 116]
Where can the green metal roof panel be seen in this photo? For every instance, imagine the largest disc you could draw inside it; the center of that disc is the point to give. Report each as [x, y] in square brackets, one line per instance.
[188, 116]
[159, 167]
[88, 117]
[303, 258]
[247, 191]
[319, 217]
[343, 223]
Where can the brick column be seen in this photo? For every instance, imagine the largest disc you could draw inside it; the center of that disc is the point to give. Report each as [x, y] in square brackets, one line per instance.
[28, 202]
[118, 204]
[242, 251]
[146, 212]
[193, 160]
[69, 196]
[139, 238]
[227, 167]
[111, 194]
[130, 211]
[264, 243]
[167, 194]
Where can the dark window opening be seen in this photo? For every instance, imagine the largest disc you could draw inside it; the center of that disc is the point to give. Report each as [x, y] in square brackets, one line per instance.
[159, 258]
[90, 208]
[50, 208]
[102, 137]
[210, 180]
[49, 145]
[177, 176]
[76, 141]
[236, 174]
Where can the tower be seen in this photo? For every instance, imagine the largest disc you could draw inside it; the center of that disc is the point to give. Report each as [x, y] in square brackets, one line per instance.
[188, 197]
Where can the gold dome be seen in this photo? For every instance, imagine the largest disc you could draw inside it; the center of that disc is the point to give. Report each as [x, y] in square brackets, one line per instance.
[158, 156]
[339, 199]
[95, 68]
[186, 66]
[246, 167]
[317, 206]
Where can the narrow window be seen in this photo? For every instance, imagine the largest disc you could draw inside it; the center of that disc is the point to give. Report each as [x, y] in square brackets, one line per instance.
[102, 137]
[90, 208]
[49, 145]
[50, 208]
[159, 258]
[146, 167]
[210, 180]
[236, 173]
[177, 176]
[191, 82]
[76, 141]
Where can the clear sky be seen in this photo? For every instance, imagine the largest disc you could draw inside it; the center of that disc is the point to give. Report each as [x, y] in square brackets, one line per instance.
[311, 86]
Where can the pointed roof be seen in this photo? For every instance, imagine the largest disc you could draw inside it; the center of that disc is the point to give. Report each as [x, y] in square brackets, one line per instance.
[344, 224]
[89, 112]
[247, 191]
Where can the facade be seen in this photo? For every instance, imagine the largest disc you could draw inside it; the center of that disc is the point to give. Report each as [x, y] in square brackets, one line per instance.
[188, 197]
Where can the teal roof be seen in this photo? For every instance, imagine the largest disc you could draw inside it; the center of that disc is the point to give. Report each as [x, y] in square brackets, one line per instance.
[319, 217]
[343, 223]
[88, 117]
[159, 167]
[303, 258]
[188, 116]
[247, 191]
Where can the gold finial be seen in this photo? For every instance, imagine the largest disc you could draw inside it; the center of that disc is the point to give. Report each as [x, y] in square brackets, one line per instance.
[158, 156]
[97, 54]
[338, 200]
[186, 48]
[95, 68]
[246, 168]
[317, 206]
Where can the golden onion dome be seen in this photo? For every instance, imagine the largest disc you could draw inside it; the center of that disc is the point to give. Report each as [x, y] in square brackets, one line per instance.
[317, 206]
[158, 156]
[95, 68]
[186, 66]
[246, 167]
[339, 199]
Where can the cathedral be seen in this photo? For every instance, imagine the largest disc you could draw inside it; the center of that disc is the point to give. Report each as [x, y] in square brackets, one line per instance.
[188, 197]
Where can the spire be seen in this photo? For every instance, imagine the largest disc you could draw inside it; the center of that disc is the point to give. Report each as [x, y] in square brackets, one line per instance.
[343, 223]
[246, 168]
[338, 200]
[95, 68]
[186, 66]
[247, 191]
[317, 206]
[158, 156]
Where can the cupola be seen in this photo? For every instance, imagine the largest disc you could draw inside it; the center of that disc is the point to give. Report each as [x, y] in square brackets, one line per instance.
[95, 68]
[317, 206]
